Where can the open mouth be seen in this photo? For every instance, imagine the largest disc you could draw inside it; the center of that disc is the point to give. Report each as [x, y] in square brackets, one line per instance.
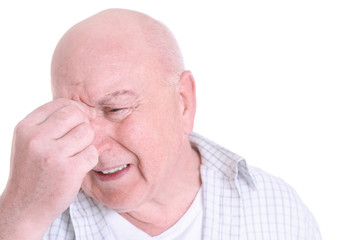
[114, 173]
[114, 170]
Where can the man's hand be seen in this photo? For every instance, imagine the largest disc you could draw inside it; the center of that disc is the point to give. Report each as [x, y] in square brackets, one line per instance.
[52, 152]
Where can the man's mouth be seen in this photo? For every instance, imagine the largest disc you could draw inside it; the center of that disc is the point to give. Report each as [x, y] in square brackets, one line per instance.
[113, 173]
[114, 170]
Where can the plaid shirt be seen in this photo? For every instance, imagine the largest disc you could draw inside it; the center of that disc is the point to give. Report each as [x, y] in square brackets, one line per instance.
[240, 202]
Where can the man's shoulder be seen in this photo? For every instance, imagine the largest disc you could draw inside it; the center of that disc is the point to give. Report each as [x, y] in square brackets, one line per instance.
[265, 181]
[259, 199]
[271, 191]
[223, 165]
[228, 164]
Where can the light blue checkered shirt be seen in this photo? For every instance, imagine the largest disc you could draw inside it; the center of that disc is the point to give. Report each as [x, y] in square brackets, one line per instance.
[240, 202]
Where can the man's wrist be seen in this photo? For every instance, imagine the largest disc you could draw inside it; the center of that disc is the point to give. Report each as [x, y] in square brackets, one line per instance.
[16, 225]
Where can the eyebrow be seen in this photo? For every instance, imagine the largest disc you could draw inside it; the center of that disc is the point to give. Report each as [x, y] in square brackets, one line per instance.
[107, 99]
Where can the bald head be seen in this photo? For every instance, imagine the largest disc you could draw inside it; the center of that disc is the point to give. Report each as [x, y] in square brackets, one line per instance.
[127, 34]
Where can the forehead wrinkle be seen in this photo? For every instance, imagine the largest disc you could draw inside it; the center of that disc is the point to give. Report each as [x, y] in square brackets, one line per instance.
[108, 98]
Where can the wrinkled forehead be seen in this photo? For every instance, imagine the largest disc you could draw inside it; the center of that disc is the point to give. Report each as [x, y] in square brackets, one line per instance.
[102, 60]
[97, 73]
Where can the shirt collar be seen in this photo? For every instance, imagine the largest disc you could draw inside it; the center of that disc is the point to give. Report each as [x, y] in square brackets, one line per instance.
[220, 159]
[88, 218]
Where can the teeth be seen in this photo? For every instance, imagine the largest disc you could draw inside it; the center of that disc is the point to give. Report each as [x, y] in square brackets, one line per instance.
[114, 170]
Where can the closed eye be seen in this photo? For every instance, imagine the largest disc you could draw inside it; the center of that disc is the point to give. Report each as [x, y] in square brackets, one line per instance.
[116, 109]
[117, 114]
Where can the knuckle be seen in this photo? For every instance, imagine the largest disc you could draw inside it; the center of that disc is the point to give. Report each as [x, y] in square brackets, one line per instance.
[83, 131]
[36, 142]
[52, 158]
[21, 127]
[49, 161]
[72, 113]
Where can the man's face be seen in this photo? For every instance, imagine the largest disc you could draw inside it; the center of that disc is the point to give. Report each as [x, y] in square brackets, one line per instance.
[139, 133]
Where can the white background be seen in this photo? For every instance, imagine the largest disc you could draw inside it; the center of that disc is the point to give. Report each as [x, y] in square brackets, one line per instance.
[277, 82]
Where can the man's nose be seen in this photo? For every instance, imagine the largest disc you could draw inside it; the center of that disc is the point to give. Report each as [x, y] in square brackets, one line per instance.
[102, 140]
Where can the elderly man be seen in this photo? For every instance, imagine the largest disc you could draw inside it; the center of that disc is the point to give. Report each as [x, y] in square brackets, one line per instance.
[113, 155]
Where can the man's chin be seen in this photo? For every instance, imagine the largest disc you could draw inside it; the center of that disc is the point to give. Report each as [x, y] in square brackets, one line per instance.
[118, 201]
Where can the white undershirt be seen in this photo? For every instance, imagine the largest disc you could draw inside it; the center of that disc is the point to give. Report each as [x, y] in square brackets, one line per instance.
[188, 227]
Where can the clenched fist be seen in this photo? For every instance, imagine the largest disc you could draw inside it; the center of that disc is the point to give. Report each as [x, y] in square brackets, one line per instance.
[51, 153]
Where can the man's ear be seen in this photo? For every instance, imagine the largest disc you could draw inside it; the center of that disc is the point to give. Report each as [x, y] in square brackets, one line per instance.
[188, 100]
